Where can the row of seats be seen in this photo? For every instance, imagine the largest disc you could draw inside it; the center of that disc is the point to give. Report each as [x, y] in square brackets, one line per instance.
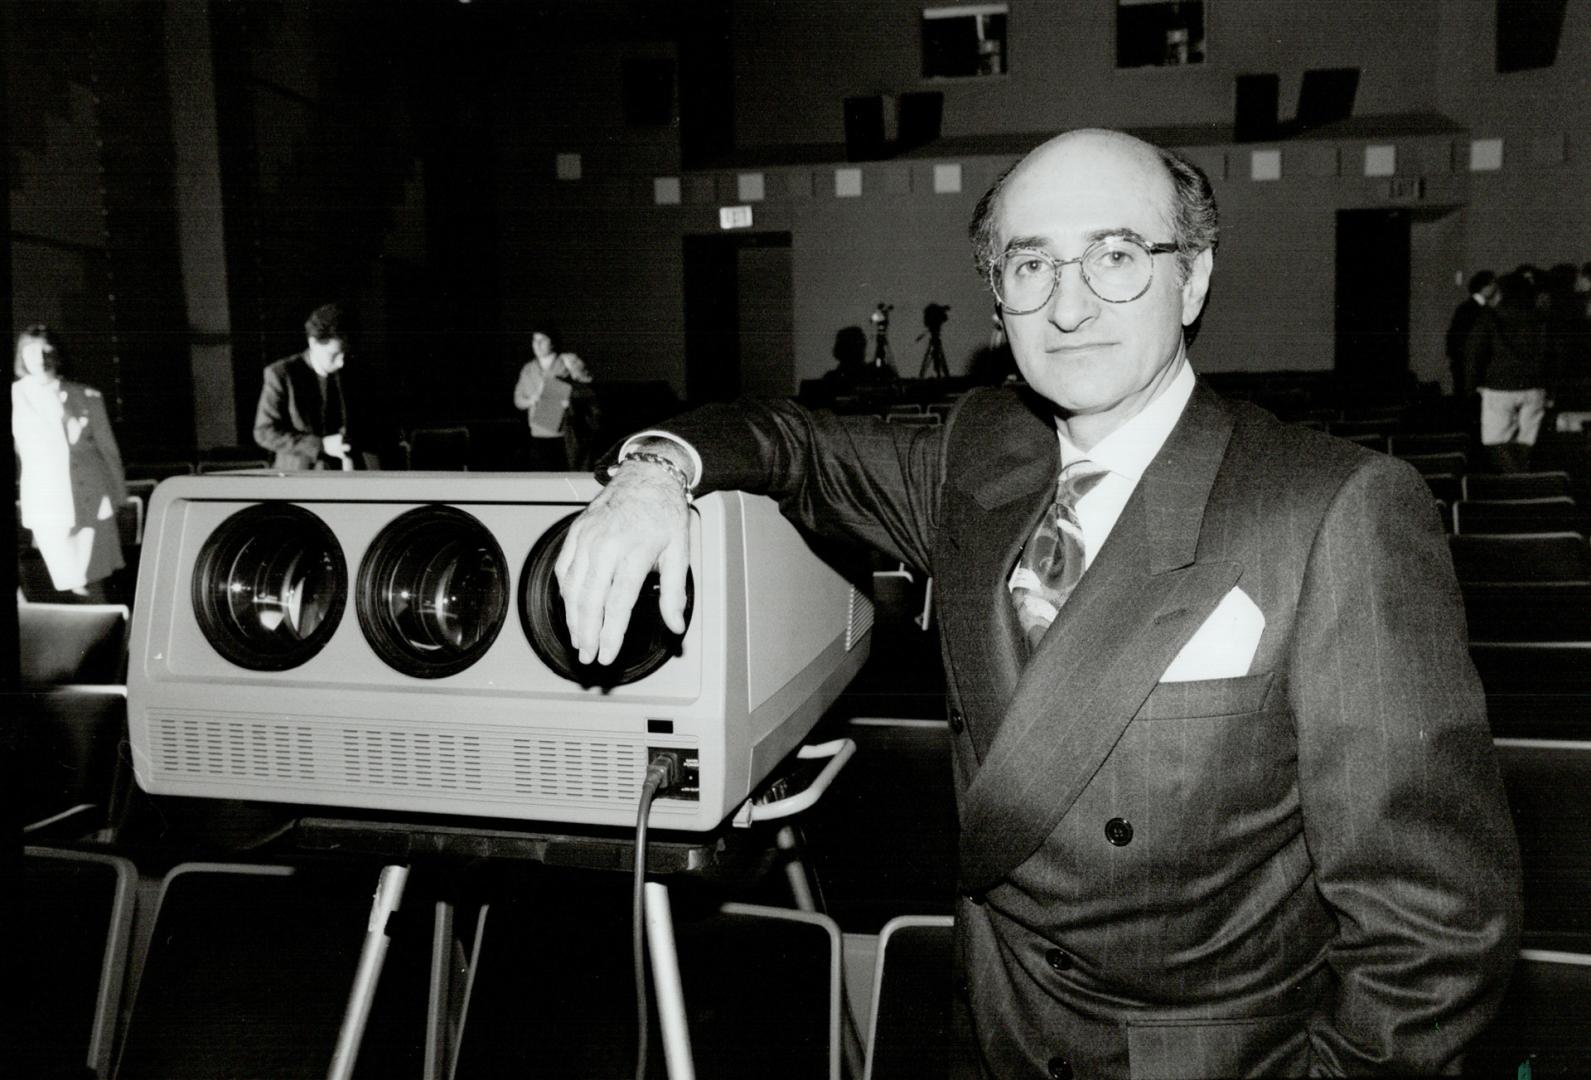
[164, 470]
[1545, 760]
[244, 969]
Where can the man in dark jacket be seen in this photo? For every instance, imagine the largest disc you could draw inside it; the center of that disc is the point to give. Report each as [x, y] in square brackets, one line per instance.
[302, 416]
[1482, 291]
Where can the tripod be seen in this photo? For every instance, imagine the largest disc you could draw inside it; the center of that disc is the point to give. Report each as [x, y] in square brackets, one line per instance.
[934, 356]
[934, 317]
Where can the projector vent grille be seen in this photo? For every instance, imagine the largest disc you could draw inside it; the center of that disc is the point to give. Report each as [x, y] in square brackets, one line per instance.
[306, 755]
[577, 769]
[859, 620]
[194, 746]
[387, 757]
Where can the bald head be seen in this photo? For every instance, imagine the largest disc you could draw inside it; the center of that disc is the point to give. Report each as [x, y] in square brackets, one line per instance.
[1179, 189]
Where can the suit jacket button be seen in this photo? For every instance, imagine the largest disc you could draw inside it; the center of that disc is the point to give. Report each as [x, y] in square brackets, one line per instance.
[1059, 1068]
[1118, 831]
[1057, 959]
[957, 722]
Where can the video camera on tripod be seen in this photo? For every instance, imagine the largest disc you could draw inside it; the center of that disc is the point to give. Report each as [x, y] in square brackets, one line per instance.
[934, 318]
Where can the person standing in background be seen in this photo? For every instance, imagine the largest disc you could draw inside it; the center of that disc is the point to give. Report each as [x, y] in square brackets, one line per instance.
[72, 480]
[302, 417]
[546, 392]
[1507, 357]
[1482, 293]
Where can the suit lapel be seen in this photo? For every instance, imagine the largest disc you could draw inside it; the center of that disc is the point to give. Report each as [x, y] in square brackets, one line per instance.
[1140, 601]
[305, 398]
[1004, 481]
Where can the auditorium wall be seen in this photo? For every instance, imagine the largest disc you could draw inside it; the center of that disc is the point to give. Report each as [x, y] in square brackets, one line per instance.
[1428, 89]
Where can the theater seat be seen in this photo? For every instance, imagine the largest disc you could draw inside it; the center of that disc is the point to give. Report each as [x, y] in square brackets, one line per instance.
[882, 841]
[1445, 486]
[1543, 611]
[77, 914]
[553, 992]
[70, 740]
[248, 973]
[438, 448]
[1451, 462]
[1535, 557]
[1535, 485]
[1369, 440]
[1536, 690]
[913, 991]
[1541, 1031]
[233, 465]
[72, 643]
[1555, 514]
[1429, 442]
[1548, 783]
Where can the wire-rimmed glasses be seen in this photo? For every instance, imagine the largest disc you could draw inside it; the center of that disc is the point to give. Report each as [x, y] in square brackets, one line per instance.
[1117, 269]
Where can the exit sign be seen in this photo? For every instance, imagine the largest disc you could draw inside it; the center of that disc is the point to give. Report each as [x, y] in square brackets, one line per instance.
[734, 217]
[1406, 188]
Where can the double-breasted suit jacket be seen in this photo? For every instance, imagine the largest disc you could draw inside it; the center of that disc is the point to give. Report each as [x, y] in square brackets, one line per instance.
[1306, 868]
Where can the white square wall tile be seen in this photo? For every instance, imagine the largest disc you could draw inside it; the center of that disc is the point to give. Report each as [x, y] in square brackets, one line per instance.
[1485, 155]
[750, 187]
[666, 190]
[1381, 160]
[567, 166]
[1265, 165]
[947, 179]
[848, 183]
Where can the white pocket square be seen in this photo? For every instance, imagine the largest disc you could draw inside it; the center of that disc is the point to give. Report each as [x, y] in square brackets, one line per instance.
[1224, 645]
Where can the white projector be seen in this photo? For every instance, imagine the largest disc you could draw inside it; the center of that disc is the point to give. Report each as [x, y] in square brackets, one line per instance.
[395, 641]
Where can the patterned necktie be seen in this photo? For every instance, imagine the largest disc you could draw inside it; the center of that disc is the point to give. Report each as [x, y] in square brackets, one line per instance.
[1052, 561]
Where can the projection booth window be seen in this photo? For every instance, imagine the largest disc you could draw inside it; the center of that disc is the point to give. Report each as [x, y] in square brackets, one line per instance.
[964, 41]
[1159, 33]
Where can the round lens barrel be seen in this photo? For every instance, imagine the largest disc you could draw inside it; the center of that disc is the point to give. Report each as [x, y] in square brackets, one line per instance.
[433, 592]
[269, 586]
[648, 642]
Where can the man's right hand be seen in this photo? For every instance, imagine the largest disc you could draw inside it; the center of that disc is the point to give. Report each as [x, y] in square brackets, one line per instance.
[639, 521]
[334, 445]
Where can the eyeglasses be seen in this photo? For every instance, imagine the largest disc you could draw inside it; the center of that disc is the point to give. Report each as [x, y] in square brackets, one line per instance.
[1117, 269]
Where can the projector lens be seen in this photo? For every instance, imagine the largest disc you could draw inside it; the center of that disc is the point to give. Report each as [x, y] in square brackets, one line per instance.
[433, 592]
[269, 586]
[648, 643]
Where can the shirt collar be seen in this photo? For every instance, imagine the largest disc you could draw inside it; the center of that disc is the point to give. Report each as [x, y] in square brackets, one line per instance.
[1129, 449]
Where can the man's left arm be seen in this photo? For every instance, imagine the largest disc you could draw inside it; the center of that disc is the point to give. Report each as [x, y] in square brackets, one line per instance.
[1402, 803]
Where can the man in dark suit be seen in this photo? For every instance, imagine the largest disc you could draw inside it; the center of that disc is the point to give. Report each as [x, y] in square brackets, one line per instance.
[1482, 292]
[1230, 807]
[302, 416]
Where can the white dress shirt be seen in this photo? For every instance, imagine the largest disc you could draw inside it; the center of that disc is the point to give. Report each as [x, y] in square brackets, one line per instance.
[1126, 453]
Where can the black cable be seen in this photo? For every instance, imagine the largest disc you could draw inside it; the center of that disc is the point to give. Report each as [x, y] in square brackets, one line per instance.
[661, 775]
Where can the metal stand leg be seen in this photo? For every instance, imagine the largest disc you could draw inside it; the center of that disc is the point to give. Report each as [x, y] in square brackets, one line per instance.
[665, 977]
[389, 896]
[851, 1045]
